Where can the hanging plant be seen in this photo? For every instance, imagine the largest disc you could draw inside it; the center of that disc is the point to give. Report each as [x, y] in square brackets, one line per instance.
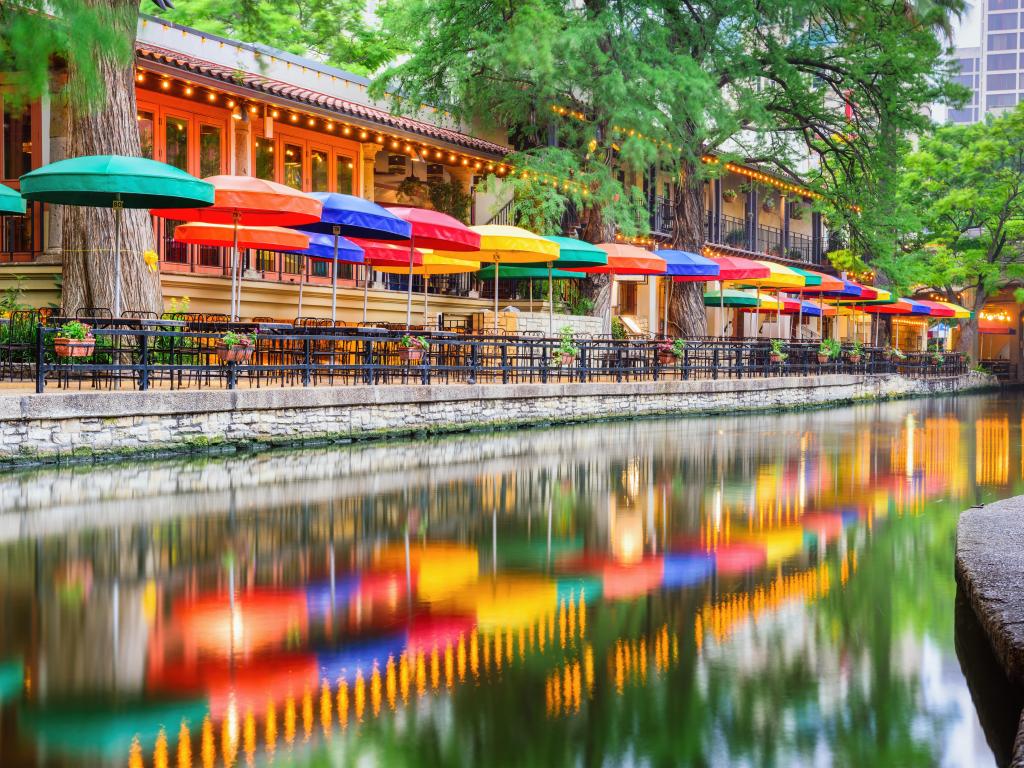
[729, 195]
[796, 211]
[768, 204]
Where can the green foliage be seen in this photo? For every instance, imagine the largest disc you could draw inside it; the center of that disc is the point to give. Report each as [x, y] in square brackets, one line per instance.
[338, 32]
[845, 260]
[11, 298]
[618, 329]
[779, 349]
[232, 339]
[830, 348]
[580, 305]
[856, 348]
[567, 351]
[76, 330]
[419, 342]
[674, 347]
[966, 187]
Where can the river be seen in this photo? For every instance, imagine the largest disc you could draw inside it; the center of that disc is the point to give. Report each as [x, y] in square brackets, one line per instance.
[750, 590]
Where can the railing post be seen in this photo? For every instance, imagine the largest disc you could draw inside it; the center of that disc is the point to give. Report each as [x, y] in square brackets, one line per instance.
[306, 360]
[504, 362]
[473, 362]
[686, 361]
[144, 361]
[368, 361]
[714, 362]
[40, 359]
[231, 375]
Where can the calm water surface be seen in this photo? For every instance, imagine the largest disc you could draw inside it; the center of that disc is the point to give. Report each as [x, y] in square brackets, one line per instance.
[748, 591]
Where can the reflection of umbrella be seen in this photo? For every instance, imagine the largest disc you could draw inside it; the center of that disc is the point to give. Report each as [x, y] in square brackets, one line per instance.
[827, 525]
[11, 202]
[619, 580]
[439, 231]
[242, 200]
[343, 663]
[89, 728]
[441, 569]
[12, 677]
[571, 253]
[687, 569]
[507, 601]
[427, 631]
[252, 621]
[504, 244]
[244, 684]
[778, 544]
[739, 558]
[113, 181]
[587, 587]
[686, 267]
[434, 264]
[353, 216]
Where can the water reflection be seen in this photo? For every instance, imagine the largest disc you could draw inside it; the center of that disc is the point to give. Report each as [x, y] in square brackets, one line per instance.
[768, 590]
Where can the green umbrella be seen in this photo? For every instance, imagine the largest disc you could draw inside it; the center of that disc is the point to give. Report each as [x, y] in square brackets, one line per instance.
[572, 253]
[11, 201]
[12, 678]
[117, 182]
[730, 297]
[531, 273]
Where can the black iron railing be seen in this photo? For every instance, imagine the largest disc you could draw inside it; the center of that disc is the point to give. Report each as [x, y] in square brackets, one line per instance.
[144, 358]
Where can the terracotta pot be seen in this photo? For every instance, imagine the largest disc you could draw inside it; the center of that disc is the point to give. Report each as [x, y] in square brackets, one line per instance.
[822, 359]
[234, 354]
[410, 354]
[565, 361]
[667, 358]
[775, 358]
[854, 359]
[65, 347]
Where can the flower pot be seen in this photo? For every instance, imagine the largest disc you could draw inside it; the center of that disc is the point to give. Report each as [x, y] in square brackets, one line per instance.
[822, 359]
[234, 354]
[854, 359]
[410, 354]
[776, 358]
[564, 361]
[65, 347]
[667, 358]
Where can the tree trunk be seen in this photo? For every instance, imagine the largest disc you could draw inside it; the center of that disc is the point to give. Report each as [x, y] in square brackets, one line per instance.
[597, 288]
[686, 305]
[968, 343]
[88, 233]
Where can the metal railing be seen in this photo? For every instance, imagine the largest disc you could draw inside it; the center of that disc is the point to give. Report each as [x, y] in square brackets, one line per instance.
[143, 358]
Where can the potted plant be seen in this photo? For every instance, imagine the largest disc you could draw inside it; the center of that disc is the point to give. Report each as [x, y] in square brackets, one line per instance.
[937, 357]
[729, 195]
[235, 347]
[566, 352]
[894, 354]
[670, 350]
[828, 350]
[778, 352]
[768, 204]
[796, 211]
[411, 348]
[74, 340]
[856, 352]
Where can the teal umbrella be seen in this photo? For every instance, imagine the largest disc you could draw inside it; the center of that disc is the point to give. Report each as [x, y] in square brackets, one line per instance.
[12, 679]
[572, 254]
[11, 201]
[117, 182]
[531, 273]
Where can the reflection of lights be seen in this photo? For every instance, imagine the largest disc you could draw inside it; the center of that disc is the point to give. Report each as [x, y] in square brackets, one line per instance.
[160, 750]
[207, 750]
[229, 733]
[910, 445]
[325, 708]
[359, 695]
[135, 754]
[343, 703]
[184, 746]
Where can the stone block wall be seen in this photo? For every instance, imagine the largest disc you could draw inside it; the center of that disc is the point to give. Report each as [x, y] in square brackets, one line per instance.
[582, 325]
[56, 426]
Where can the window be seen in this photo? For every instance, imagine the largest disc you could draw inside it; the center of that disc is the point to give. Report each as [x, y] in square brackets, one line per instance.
[1001, 100]
[146, 123]
[967, 81]
[1000, 21]
[209, 150]
[999, 61]
[265, 159]
[1006, 41]
[293, 166]
[176, 135]
[966, 65]
[17, 148]
[1002, 5]
[1004, 82]
[344, 176]
[961, 116]
[319, 170]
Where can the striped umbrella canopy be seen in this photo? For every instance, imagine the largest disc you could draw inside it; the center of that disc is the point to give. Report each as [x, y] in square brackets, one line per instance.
[571, 253]
[738, 268]
[936, 309]
[689, 267]
[960, 313]
[817, 282]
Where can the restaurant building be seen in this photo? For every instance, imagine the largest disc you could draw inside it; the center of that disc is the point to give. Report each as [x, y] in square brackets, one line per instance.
[209, 106]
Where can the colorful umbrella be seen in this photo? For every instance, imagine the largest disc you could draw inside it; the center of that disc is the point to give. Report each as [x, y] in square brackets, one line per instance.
[936, 309]
[269, 238]
[377, 254]
[686, 267]
[333, 248]
[571, 253]
[626, 259]
[959, 313]
[240, 200]
[434, 264]
[730, 297]
[353, 216]
[11, 202]
[534, 273]
[439, 231]
[117, 182]
[735, 268]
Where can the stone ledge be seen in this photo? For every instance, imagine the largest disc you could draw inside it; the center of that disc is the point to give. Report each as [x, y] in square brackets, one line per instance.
[74, 405]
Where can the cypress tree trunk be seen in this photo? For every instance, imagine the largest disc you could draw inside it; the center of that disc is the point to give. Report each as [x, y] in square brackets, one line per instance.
[88, 233]
[597, 288]
[686, 300]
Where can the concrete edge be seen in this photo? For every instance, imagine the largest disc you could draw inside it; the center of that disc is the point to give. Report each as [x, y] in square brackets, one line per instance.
[67, 405]
[989, 568]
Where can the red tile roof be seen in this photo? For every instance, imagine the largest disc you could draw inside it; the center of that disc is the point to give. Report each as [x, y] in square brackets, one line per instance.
[300, 95]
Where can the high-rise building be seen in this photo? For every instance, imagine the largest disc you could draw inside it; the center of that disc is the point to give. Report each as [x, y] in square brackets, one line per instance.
[989, 49]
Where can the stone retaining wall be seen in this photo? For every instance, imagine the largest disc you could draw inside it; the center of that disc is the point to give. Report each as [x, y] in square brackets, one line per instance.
[57, 426]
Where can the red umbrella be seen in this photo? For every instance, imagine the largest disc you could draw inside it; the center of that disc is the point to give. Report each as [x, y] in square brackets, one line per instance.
[435, 230]
[246, 200]
[935, 309]
[736, 268]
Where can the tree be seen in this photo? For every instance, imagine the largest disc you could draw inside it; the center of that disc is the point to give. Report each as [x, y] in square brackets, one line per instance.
[622, 87]
[966, 184]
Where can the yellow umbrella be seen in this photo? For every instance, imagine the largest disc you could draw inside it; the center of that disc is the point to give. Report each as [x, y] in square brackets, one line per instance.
[434, 264]
[779, 276]
[442, 570]
[960, 313]
[503, 244]
[507, 602]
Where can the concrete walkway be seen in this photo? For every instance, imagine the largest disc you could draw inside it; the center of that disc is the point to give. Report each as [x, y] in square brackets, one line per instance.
[990, 571]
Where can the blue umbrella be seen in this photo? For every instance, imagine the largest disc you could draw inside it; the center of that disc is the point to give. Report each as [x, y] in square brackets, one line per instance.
[331, 247]
[351, 216]
[689, 267]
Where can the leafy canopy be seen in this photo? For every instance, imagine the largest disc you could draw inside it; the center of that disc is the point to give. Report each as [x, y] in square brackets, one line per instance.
[659, 83]
[966, 185]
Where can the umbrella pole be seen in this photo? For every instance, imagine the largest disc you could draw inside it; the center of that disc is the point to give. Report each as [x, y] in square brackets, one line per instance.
[800, 318]
[721, 307]
[334, 279]
[302, 275]
[757, 314]
[366, 289]
[551, 303]
[497, 267]
[668, 286]
[426, 288]
[408, 299]
[234, 268]
[531, 296]
[118, 208]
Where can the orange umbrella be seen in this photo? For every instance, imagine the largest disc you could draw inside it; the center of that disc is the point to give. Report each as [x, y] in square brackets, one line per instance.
[244, 200]
[271, 238]
[626, 259]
